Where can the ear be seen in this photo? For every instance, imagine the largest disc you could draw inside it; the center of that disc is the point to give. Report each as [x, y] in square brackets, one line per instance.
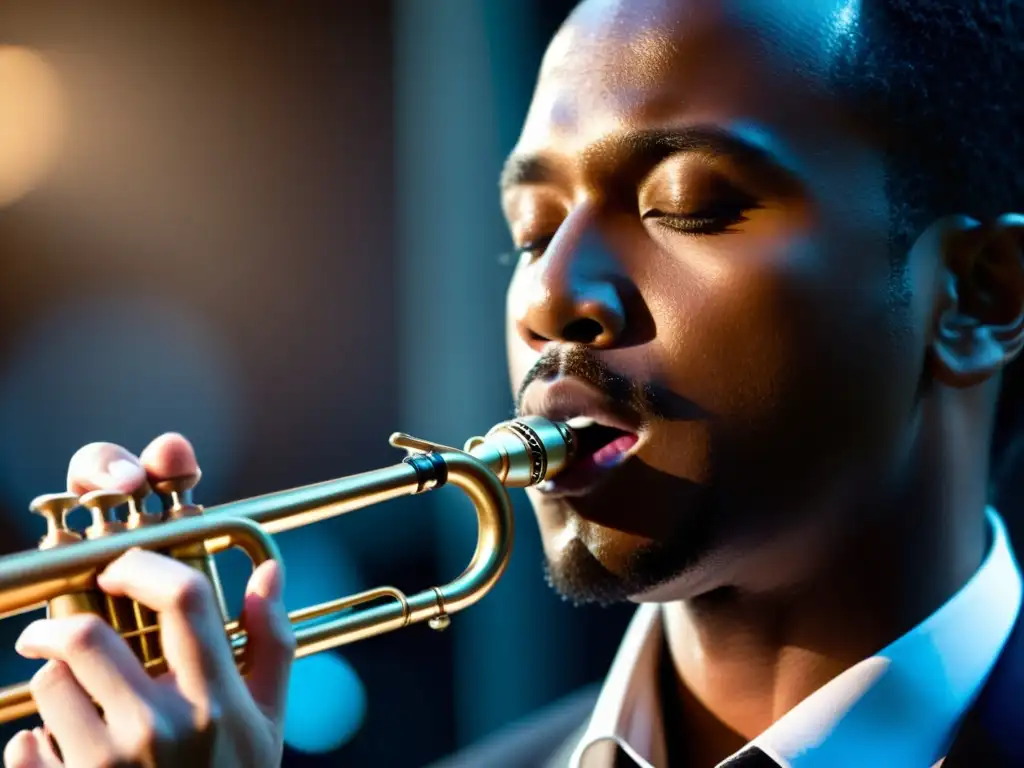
[979, 312]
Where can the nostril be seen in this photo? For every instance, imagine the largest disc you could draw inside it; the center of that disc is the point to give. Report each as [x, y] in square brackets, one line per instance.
[582, 331]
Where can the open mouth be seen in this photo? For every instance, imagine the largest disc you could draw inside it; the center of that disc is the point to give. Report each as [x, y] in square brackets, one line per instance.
[600, 449]
[602, 445]
[607, 433]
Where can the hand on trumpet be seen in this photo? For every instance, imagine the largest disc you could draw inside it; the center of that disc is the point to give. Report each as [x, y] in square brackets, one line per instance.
[202, 712]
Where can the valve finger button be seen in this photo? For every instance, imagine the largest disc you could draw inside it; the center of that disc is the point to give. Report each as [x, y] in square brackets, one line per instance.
[138, 516]
[175, 494]
[54, 508]
[101, 505]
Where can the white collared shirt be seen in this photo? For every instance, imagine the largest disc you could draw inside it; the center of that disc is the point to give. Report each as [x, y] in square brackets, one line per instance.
[900, 707]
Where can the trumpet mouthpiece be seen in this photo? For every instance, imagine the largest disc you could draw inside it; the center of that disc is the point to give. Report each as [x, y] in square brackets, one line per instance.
[525, 451]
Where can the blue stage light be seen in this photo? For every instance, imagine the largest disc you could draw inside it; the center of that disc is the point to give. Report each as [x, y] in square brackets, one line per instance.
[326, 704]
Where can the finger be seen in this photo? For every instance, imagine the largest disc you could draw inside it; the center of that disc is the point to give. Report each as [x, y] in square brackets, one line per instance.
[106, 467]
[271, 644]
[47, 747]
[191, 628]
[22, 751]
[170, 455]
[70, 716]
[30, 749]
[101, 662]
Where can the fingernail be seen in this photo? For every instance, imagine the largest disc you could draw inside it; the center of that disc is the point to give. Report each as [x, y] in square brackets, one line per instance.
[276, 581]
[27, 639]
[123, 470]
[272, 581]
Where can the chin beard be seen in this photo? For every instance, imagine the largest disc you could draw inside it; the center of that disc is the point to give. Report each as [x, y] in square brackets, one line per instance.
[580, 578]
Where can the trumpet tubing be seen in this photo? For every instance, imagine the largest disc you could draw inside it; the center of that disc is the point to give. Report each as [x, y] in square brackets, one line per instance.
[61, 574]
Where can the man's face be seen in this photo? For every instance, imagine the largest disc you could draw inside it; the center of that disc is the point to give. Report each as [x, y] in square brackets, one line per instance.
[706, 273]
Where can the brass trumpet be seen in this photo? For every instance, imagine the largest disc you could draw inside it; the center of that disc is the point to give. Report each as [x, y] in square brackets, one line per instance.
[61, 574]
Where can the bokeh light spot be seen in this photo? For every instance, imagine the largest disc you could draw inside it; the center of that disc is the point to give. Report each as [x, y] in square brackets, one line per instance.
[326, 704]
[32, 120]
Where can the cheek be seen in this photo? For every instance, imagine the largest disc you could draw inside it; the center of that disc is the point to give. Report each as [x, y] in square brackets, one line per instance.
[791, 347]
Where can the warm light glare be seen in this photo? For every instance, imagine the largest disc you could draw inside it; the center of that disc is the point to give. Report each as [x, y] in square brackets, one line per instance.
[31, 121]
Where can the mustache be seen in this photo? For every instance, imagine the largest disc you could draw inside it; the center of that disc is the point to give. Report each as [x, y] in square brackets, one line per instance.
[646, 400]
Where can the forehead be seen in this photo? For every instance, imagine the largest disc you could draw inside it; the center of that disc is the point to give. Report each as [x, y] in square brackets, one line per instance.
[626, 64]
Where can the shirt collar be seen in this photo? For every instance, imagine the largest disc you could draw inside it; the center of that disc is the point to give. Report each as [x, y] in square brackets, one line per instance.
[899, 707]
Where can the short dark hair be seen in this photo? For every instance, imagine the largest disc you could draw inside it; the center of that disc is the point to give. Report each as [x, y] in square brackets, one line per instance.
[944, 76]
[941, 81]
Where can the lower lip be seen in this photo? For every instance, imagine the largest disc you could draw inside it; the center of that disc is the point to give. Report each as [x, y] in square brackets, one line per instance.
[588, 471]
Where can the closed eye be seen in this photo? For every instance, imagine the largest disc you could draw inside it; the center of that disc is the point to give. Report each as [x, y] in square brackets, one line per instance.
[712, 221]
[534, 247]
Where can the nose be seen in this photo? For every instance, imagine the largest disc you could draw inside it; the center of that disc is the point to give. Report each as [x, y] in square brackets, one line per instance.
[572, 292]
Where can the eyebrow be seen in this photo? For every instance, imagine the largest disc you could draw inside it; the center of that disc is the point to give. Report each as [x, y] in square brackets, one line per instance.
[648, 148]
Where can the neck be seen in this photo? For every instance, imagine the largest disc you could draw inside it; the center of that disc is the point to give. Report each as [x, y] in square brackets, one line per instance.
[742, 659]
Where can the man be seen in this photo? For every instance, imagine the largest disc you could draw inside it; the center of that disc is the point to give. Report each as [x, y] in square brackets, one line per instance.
[770, 267]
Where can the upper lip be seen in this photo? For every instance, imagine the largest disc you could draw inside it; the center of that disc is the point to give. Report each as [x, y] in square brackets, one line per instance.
[566, 398]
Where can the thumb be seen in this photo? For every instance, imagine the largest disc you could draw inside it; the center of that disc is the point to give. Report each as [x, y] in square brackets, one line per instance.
[271, 642]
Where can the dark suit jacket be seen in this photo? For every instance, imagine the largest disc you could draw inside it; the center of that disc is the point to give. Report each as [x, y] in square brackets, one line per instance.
[990, 736]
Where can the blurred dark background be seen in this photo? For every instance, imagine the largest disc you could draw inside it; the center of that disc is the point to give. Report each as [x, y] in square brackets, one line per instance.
[274, 227]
